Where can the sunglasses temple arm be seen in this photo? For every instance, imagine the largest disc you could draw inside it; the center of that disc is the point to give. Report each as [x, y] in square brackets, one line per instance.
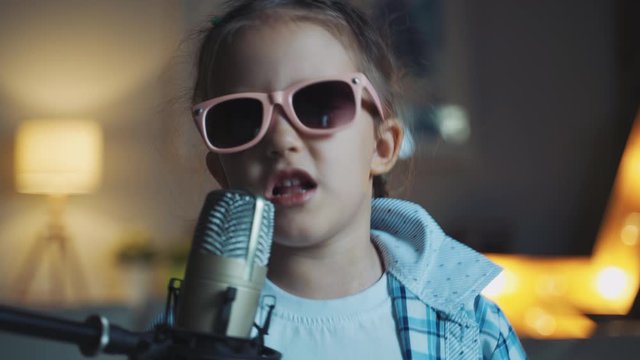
[376, 99]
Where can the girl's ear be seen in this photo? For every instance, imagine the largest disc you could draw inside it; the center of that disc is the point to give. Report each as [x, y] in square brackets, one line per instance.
[388, 140]
[215, 168]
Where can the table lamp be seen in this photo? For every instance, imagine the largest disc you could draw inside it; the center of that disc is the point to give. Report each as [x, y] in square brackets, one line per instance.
[56, 158]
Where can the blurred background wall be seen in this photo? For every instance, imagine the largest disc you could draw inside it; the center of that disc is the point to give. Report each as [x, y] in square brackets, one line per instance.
[547, 91]
[543, 88]
[127, 66]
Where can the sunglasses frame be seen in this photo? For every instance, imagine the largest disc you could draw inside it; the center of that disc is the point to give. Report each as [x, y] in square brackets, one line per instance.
[358, 81]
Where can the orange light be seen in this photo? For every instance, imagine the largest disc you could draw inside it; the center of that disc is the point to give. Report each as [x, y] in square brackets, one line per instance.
[612, 283]
[541, 321]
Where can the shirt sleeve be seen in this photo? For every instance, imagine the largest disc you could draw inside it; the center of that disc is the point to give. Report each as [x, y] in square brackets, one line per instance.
[498, 338]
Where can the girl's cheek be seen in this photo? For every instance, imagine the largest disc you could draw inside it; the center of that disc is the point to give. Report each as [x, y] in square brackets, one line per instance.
[242, 173]
[253, 171]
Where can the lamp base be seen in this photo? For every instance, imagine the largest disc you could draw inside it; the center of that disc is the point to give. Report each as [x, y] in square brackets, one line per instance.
[65, 269]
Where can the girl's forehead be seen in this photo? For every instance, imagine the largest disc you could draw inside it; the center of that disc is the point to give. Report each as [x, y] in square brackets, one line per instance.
[271, 56]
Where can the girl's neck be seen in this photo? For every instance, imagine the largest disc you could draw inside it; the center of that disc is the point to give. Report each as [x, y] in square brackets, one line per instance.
[331, 270]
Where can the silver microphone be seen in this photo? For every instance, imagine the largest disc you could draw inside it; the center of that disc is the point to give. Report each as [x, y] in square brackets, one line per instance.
[226, 268]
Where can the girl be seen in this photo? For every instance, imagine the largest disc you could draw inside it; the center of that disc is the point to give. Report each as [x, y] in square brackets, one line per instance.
[296, 101]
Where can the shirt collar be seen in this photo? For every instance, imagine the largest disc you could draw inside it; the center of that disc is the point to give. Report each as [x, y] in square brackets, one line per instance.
[439, 270]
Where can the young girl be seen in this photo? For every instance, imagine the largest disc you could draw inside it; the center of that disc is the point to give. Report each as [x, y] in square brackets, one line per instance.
[296, 101]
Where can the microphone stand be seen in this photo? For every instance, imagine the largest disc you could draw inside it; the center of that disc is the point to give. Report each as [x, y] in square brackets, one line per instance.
[96, 335]
[93, 336]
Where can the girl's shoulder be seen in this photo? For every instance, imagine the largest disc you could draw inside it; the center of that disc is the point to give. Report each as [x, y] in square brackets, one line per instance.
[499, 339]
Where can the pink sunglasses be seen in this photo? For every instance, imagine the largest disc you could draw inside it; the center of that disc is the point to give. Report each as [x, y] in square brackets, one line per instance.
[235, 122]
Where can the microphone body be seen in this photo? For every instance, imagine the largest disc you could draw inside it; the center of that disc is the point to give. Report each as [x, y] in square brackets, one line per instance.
[202, 295]
[226, 268]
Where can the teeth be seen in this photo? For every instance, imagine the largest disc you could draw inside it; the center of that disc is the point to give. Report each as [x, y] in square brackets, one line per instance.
[292, 185]
[290, 182]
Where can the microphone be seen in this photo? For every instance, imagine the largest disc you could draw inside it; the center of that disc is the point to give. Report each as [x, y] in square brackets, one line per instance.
[226, 267]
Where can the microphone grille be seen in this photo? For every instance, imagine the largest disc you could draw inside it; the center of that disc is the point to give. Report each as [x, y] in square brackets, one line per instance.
[225, 224]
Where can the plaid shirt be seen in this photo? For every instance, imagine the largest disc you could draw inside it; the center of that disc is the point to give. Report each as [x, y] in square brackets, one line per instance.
[435, 283]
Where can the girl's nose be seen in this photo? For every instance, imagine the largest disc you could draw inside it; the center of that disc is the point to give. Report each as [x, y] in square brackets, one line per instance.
[282, 137]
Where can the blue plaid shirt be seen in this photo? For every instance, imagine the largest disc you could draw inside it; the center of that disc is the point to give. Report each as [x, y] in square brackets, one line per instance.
[435, 283]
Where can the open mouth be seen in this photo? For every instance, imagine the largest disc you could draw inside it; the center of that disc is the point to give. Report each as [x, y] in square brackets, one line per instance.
[291, 183]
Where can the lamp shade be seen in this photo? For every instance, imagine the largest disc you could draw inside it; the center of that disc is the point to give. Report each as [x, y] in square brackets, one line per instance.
[58, 156]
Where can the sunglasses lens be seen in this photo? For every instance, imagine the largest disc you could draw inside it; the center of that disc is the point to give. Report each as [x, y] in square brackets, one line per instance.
[325, 105]
[233, 123]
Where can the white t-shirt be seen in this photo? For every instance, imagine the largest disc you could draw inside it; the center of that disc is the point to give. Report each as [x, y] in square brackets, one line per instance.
[359, 326]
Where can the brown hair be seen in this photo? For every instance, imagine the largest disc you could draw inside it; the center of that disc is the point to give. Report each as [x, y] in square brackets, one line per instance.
[368, 45]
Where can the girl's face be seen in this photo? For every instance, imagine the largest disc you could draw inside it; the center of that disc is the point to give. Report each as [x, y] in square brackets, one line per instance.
[320, 185]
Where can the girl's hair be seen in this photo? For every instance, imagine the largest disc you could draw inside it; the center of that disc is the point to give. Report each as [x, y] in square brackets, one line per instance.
[366, 43]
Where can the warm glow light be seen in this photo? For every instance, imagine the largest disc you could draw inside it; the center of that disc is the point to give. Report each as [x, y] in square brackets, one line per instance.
[58, 156]
[633, 218]
[541, 321]
[629, 234]
[612, 282]
[551, 286]
[629, 172]
[633, 164]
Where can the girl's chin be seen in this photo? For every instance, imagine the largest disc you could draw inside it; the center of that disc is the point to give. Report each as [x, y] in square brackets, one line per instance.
[294, 243]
